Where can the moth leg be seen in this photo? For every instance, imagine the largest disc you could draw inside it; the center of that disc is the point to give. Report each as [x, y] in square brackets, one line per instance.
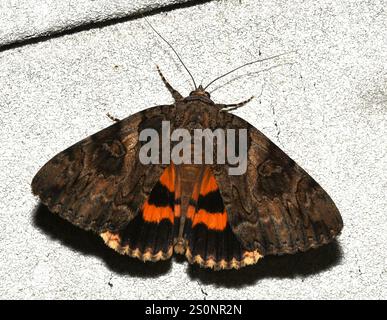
[234, 106]
[175, 94]
[113, 118]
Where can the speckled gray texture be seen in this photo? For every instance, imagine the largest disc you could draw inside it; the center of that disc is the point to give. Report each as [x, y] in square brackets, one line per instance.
[21, 20]
[325, 105]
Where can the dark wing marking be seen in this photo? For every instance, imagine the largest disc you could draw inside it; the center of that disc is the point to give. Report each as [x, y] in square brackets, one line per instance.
[210, 240]
[99, 183]
[149, 236]
[275, 207]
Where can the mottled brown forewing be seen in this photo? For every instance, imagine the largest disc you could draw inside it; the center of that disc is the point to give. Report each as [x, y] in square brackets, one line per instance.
[275, 207]
[98, 184]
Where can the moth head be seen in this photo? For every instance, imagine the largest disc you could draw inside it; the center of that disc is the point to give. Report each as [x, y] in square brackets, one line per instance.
[201, 92]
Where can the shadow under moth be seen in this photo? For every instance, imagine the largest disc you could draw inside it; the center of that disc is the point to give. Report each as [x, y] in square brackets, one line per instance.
[217, 220]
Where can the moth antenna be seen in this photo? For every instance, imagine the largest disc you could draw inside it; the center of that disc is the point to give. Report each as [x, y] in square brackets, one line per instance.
[173, 49]
[247, 64]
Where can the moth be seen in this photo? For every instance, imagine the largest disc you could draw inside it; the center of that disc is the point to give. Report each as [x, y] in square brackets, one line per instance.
[217, 220]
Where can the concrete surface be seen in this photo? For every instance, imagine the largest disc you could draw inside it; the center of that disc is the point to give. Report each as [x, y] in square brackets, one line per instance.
[22, 20]
[325, 105]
